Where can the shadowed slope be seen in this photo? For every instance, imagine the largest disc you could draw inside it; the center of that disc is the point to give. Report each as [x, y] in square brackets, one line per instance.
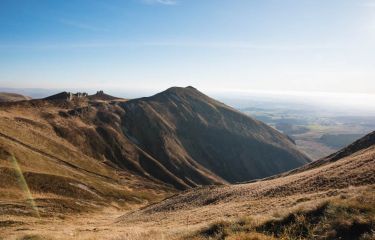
[201, 140]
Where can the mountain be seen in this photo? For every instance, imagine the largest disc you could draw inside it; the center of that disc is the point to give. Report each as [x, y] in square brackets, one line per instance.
[12, 97]
[330, 200]
[179, 137]
[201, 141]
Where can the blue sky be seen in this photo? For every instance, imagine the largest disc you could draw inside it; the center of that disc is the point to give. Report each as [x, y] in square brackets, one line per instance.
[247, 45]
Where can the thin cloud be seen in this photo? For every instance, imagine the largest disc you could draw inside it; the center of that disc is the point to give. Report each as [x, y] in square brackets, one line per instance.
[236, 45]
[80, 25]
[173, 44]
[163, 2]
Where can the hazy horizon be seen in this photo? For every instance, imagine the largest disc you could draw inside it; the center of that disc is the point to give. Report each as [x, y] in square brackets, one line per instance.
[334, 103]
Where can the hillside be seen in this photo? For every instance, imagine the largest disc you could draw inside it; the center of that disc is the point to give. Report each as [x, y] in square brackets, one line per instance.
[91, 175]
[351, 177]
[12, 97]
[59, 175]
[333, 175]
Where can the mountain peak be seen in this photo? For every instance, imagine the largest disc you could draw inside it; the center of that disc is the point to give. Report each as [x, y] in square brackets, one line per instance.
[191, 87]
[183, 92]
[187, 89]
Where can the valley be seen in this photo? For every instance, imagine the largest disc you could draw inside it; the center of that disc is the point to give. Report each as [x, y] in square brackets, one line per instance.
[317, 132]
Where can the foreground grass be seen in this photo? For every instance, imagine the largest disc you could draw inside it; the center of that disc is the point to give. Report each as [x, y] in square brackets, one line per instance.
[341, 218]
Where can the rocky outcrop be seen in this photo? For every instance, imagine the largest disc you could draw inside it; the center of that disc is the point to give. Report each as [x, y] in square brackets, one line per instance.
[68, 96]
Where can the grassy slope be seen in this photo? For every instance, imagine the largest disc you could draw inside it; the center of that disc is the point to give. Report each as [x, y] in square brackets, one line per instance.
[342, 217]
[61, 178]
[344, 212]
[351, 177]
[355, 170]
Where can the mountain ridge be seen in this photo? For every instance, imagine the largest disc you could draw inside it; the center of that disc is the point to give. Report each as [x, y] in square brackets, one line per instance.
[180, 136]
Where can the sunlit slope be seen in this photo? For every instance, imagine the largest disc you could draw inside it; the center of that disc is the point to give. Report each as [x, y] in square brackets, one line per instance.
[12, 97]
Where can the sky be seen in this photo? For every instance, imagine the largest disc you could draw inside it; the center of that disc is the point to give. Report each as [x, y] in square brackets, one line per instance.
[311, 46]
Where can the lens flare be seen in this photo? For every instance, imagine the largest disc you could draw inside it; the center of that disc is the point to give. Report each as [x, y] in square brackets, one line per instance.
[25, 188]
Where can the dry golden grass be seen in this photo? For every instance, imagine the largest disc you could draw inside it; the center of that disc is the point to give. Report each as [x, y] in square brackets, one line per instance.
[332, 215]
[255, 198]
[337, 218]
[347, 185]
[63, 181]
